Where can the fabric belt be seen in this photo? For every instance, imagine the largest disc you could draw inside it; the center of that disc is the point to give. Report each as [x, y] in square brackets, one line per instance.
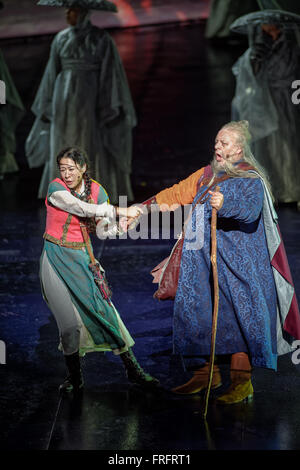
[65, 244]
[79, 65]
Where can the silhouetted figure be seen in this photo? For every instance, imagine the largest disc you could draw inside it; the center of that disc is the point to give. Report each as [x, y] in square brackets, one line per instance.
[11, 114]
[84, 100]
[264, 77]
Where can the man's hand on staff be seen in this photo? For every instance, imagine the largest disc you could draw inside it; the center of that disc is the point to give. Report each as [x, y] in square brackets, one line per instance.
[216, 200]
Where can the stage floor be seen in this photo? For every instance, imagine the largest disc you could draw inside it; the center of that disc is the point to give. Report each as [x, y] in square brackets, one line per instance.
[182, 87]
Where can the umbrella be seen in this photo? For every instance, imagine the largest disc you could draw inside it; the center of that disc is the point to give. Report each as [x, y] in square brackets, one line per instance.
[103, 5]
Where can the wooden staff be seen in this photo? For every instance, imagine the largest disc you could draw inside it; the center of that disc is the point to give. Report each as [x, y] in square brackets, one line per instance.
[213, 259]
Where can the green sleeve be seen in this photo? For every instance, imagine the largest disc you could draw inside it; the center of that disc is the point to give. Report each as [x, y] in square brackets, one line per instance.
[102, 196]
[55, 186]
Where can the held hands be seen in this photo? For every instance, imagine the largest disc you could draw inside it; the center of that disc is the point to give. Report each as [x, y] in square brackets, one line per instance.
[133, 212]
[129, 217]
[130, 212]
[216, 200]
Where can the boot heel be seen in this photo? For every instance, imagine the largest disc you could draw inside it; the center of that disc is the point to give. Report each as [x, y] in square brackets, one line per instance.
[237, 393]
[199, 381]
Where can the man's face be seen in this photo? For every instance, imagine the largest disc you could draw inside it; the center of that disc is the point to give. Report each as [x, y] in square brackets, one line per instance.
[72, 15]
[226, 148]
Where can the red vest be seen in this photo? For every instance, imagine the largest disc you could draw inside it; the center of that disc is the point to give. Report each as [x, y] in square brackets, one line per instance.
[63, 228]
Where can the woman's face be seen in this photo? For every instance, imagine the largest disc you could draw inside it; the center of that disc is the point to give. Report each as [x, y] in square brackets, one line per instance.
[72, 15]
[71, 173]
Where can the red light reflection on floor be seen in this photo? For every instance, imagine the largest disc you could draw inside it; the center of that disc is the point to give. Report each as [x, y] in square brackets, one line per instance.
[127, 12]
[181, 15]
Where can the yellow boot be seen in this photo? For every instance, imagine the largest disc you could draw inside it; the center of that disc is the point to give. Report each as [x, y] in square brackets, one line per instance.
[199, 381]
[241, 388]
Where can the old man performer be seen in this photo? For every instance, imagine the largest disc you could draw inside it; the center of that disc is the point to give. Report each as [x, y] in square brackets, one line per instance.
[258, 312]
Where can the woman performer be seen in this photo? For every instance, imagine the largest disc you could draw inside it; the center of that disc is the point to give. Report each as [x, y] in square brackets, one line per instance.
[87, 319]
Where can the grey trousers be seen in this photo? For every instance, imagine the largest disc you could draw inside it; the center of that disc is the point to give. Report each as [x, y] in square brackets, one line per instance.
[61, 305]
[73, 334]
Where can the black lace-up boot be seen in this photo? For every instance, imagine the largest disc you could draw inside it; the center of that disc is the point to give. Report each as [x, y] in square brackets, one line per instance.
[74, 380]
[135, 373]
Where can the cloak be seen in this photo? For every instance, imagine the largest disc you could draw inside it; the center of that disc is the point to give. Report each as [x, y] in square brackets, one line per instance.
[258, 307]
[84, 100]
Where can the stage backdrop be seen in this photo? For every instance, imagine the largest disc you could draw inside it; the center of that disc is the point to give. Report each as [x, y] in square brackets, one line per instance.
[25, 18]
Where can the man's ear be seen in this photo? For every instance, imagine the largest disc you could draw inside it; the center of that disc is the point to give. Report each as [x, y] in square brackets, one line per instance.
[83, 168]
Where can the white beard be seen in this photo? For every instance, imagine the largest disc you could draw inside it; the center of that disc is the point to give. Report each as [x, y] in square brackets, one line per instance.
[227, 166]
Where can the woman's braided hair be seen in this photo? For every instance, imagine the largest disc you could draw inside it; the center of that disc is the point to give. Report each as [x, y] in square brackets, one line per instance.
[80, 158]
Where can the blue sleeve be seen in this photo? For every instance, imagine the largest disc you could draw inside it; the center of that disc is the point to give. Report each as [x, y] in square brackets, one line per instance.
[243, 202]
[55, 186]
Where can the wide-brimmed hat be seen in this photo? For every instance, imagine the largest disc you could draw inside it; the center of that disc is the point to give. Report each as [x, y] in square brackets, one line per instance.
[103, 5]
[282, 19]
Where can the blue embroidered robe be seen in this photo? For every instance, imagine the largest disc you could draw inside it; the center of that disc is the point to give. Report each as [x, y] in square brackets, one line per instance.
[247, 294]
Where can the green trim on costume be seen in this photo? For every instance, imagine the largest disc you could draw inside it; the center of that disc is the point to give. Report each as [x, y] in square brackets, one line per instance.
[55, 186]
[97, 315]
[65, 229]
[58, 241]
[102, 195]
[100, 348]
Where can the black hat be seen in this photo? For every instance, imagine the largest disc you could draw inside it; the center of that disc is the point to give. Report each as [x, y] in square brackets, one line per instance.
[281, 18]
